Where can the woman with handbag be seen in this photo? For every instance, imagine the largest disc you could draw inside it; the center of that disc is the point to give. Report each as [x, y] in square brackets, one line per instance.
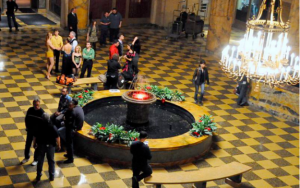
[199, 78]
[91, 35]
[112, 74]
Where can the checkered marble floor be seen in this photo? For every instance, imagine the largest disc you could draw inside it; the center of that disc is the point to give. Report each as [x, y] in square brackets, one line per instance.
[268, 144]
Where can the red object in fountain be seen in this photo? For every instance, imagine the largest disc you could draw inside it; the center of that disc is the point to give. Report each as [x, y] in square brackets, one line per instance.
[140, 95]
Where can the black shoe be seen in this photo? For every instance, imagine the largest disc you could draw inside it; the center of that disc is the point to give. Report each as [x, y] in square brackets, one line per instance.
[66, 155]
[38, 178]
[68, 161]
[135, 183]
[10, 30]
[51, 178]
[201, 103]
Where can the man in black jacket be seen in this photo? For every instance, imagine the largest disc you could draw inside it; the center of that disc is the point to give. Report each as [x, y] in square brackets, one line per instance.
[78, 115]
[45, 140]
[12, 7]
[141, 154]
[73, 21]
[69, 121]
[32, 121]
[199, 78]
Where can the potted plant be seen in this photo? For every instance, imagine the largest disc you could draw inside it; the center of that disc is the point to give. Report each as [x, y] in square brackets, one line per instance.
[205, 126]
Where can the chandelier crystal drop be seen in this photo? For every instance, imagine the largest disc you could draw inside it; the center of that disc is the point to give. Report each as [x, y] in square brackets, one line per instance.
[263, 55]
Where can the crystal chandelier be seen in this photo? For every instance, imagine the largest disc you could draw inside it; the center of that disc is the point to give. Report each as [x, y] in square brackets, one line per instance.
[263, 55]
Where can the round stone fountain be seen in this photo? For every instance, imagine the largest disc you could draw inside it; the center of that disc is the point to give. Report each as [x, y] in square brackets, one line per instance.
[138, 104]
[167, 126]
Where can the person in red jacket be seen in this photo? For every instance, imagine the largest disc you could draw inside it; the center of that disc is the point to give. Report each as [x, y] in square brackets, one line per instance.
[114, 49]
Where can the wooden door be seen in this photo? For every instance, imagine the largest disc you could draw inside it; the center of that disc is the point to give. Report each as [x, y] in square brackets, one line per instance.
[98, 7]
[121, 7]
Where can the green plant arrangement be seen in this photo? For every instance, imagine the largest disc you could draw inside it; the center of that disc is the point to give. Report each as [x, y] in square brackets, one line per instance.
[164, 93]
[84, 97]
[114, 133]
[205, 126]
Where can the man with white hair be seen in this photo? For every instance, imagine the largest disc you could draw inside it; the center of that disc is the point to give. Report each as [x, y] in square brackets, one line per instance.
[73, 40]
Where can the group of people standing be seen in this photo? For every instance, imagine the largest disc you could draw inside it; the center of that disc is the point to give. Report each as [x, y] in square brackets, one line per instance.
[48, 132]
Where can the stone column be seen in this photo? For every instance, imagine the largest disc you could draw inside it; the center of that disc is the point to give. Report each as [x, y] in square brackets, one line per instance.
[220, 21]
[82, 12]
[294, 21]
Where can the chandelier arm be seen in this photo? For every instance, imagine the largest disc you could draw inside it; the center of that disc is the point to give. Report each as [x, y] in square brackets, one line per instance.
[261, 9]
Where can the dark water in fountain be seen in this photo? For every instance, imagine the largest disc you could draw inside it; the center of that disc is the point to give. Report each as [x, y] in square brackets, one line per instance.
[165, 120]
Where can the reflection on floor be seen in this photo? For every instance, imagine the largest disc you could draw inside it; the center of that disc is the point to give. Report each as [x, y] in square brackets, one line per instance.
[266, 143]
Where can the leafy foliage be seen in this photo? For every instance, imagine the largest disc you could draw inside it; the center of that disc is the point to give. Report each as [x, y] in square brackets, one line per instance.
[113, 133]
[84, 97]
[165, 93]
[205, 126]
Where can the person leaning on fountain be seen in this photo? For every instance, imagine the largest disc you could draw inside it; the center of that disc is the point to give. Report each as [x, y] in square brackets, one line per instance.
[64, 101]
[141, 154]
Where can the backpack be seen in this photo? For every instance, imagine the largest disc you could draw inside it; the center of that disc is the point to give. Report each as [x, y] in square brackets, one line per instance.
[64, 80]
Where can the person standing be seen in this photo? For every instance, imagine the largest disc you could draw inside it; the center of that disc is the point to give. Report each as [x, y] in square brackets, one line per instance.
[91, 35]
[57, 42]
[136, 45]
[199, 78]
[115, 24]
[67, 62]
[64, 102]
[114, 49]
[73, 21]
[12, 7]
[69, 120]
[32, 121]
[45, 140]
[77, 60]
[88, 54]
[73, 40]
[243, 87]
[49, 54]
[104, 25]
[78, 114]
[141, 154]
[113, 67]
[120, 47]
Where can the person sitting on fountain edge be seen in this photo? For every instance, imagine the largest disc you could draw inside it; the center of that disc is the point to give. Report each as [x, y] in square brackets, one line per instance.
[141, 154]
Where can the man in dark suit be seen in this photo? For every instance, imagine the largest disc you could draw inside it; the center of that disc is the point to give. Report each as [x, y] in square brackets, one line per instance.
[12, 7]
[73, 21]
[141, 154]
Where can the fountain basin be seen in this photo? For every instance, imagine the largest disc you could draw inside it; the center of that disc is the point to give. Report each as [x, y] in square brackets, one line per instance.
[171, 150]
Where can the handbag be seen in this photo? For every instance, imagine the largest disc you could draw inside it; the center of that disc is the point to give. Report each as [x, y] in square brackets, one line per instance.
[64, 80]
[102, 78]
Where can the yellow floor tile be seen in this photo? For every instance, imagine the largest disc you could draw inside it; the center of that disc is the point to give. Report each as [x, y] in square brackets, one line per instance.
[289, 180]
[93, 178]
[103, 168]
[220, 153]
[243, 158]
[272, 146]
[215, 161]
[261, 183]
[254, 134]
[247, 149]
[292, 170]
[124, 173]
[60, 182]
[82, 162]
[292, 160]
[14, 170]
[267, 164]
[116, 183]
[270, 155]
[189, 166]
[8, 154]
[23, 185]
[5, 180]
[73, 171]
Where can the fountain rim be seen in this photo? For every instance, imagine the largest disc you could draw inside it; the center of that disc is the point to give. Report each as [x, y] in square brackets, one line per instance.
[161, 144]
